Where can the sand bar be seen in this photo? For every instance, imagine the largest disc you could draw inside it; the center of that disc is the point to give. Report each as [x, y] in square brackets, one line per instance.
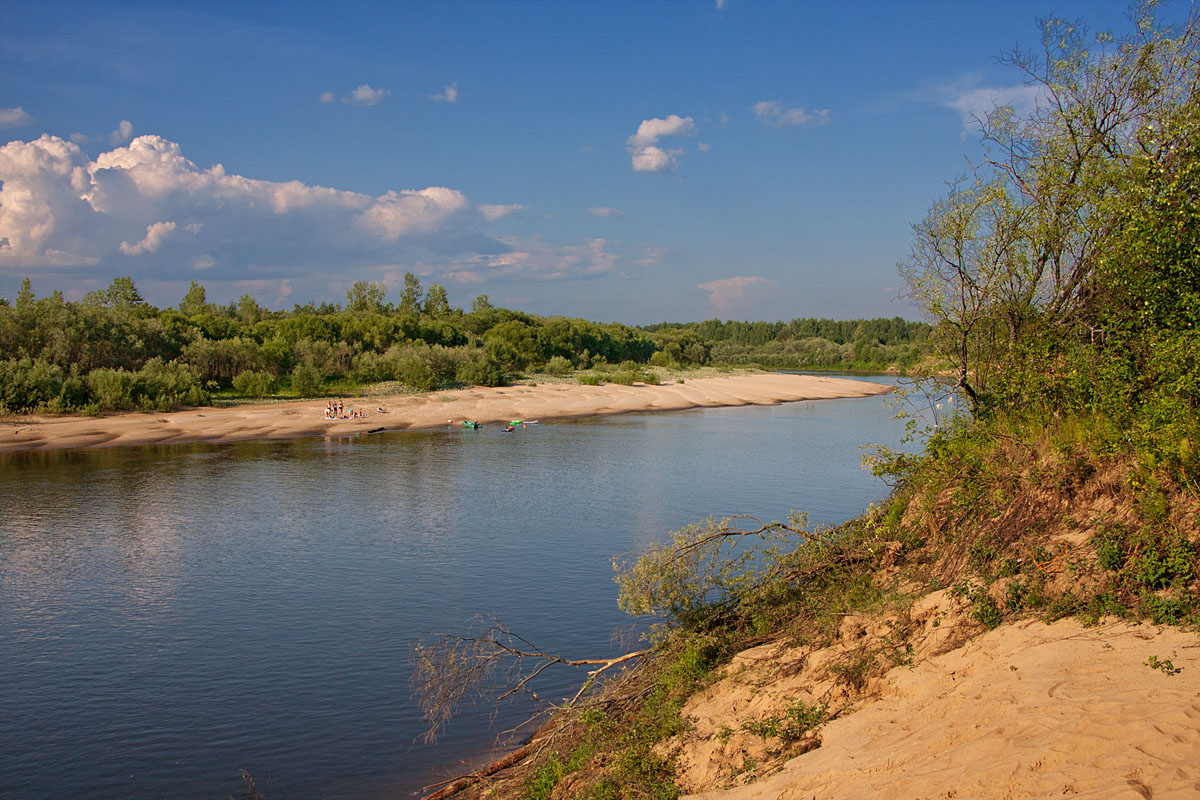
[490, 406]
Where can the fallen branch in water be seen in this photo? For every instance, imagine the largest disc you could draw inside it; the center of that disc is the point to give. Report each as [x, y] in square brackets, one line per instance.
[493, 665]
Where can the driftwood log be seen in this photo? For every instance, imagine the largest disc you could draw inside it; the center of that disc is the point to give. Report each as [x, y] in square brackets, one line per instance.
[458, 784]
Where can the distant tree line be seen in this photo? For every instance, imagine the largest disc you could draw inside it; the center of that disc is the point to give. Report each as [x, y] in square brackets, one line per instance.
[853, 345]
[114, 351]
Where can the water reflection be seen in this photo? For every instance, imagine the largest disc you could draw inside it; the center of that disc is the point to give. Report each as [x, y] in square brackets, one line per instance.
[172, 614]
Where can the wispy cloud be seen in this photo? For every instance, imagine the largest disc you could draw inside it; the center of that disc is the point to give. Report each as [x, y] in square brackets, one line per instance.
[606, 211]
[974, 105]
[651, 255]
[532, 259]
[643, 147]
[973, 101]
[15, 117]
[493, 211]
[774, 114]
[447, 95]
[739, 295]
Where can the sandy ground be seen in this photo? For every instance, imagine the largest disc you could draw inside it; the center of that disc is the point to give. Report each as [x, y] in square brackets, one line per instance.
[487, 405]
[1025, 711]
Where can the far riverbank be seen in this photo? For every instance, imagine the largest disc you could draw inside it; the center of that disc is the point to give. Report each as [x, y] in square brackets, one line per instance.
[487, 405]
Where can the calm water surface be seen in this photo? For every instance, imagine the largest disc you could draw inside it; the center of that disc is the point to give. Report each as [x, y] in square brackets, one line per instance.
[170, 615]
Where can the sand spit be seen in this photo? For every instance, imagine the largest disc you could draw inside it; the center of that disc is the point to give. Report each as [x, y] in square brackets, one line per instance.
[487, 405]
[1025, 711]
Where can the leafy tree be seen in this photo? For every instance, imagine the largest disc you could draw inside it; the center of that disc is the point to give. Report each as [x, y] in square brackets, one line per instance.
[366, 296]
[1008, 265]
[963, 262]
[513, 345]
[25, 296]
[249, 312]
[121, 294]
[194, 301]
[410, 298]
[436, 302]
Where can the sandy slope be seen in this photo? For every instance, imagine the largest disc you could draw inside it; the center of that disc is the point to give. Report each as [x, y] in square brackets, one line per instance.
[1025, 711]
[488, 405]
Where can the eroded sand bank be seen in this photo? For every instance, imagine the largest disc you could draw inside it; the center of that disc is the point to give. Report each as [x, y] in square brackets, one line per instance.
[1026, 711]
[487, 405]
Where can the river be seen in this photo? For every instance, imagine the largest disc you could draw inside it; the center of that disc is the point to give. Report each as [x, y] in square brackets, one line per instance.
[173, 614]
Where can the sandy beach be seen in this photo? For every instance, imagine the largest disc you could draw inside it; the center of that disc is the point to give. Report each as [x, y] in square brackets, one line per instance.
[490, 406]
[1025, 711]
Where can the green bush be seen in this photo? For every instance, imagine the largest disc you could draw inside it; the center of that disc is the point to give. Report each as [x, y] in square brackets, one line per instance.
[29, 384]
[558, 366]
[663, 359]
[478, 369]
[112, 389]
[369, 367]
[164, 386]
[799, 719]
[307, 380]
[415, 372]
[253, 384]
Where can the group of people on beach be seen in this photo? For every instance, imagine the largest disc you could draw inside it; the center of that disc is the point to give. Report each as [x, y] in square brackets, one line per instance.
[335, 410]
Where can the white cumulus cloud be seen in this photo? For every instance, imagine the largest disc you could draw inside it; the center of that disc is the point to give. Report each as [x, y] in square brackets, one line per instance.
[366, 96]
[774, 114]
[59, 209]
[493, 211]
[412, 211]
[655, 159]
[122, 134]
[156, 234]
[643, 147]
[447, 95]
[651, 130]
[14, 117]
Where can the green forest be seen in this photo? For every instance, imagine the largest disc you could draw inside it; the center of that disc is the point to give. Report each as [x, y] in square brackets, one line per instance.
[114, 351]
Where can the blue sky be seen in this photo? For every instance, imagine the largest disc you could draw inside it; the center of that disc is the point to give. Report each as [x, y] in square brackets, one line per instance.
[627, 161]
